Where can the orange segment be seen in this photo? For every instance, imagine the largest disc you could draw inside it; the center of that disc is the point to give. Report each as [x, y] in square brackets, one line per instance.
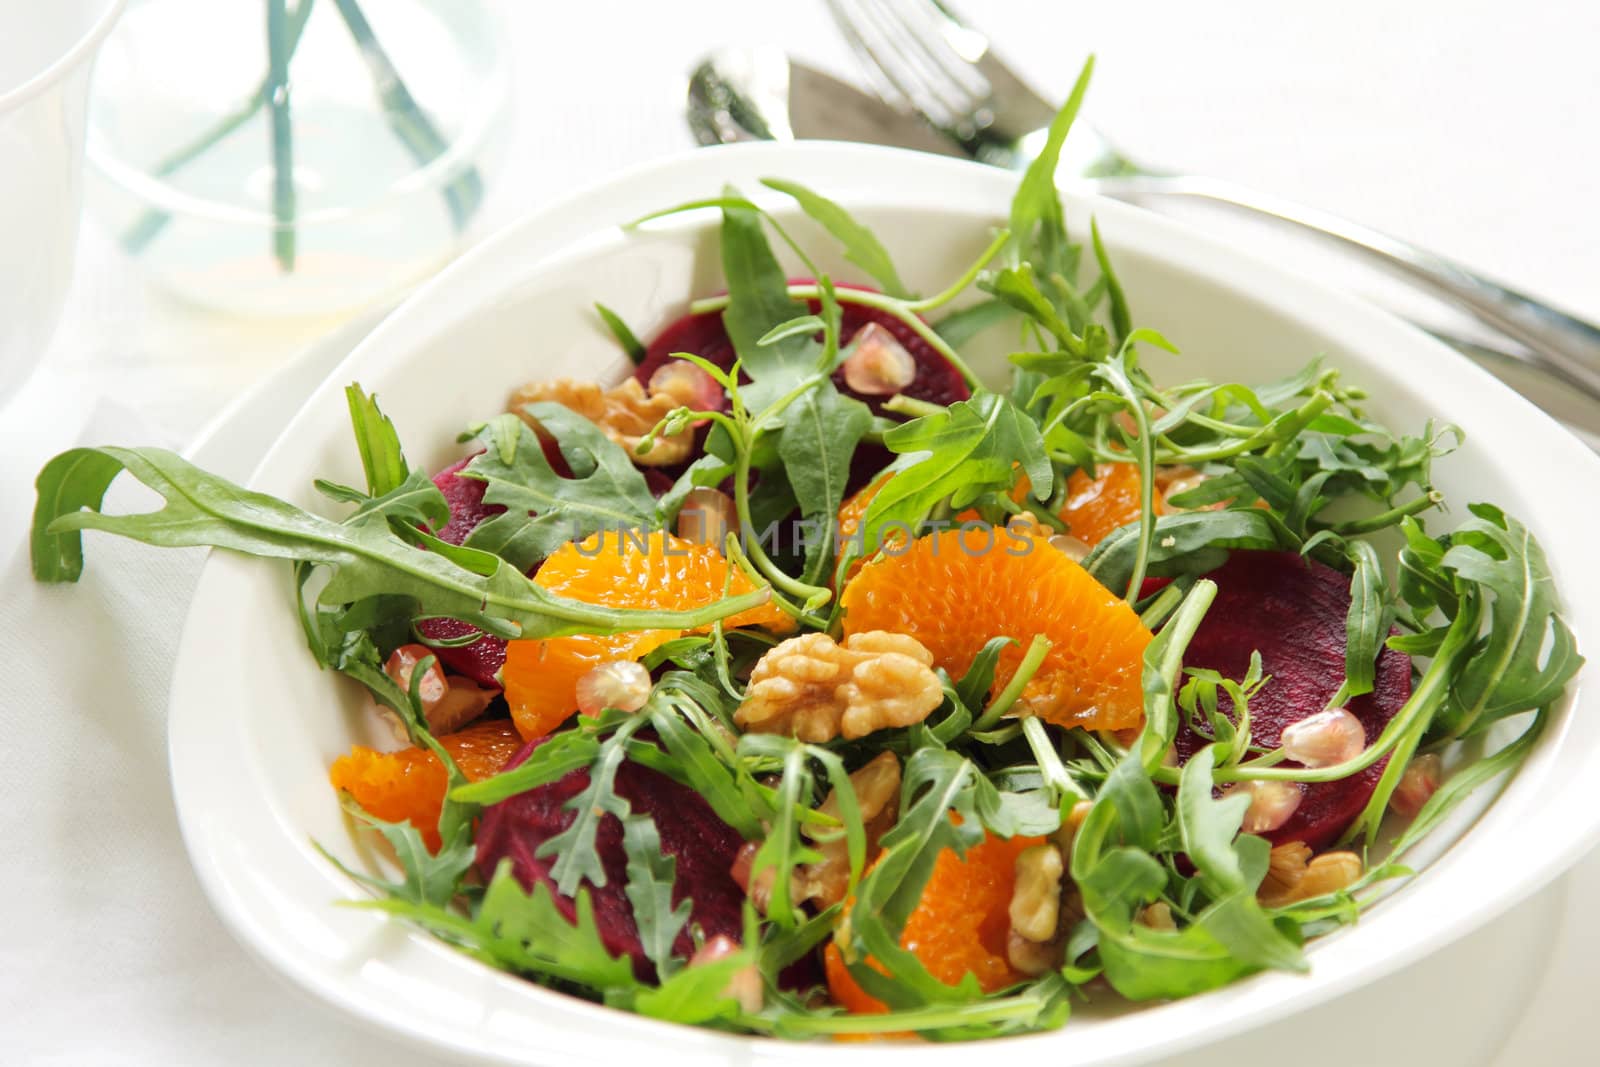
[955, 590]
[853, 510]
[617, 570]
[958, 928]
[410, 783]
[1096, 506]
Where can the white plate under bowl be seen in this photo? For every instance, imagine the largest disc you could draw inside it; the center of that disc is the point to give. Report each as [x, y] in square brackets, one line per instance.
[254, 724]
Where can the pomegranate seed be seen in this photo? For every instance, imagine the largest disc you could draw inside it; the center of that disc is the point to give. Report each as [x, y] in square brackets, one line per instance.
[880, 364]
[1417, 785]
[1271, 804]
[743, 862]
[706, 517]
[1177, 486]
[1074, 549]
[402, 664]
[619, 684]
[1324, 739]
[446, 705]
[745, 985]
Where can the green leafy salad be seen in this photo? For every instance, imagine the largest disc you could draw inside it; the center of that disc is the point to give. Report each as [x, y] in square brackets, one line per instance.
[805, 683]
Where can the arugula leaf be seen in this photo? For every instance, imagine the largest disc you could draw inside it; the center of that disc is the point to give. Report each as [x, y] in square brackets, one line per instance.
[939, 781]
[804, 326]
[1037, 222]
[429, 877]
[1367, 622]
[619, 329]
[1209, 826]
[650, 880]
[1231, 867]
[543, 509]
[758, 300]
[819, 436]
[861, 246]
[563, 753]
[1016, 286]
[961, 326]
[970, 448]
[365, 556]
[975, 684]
[524, 932]
[1529, 654]
[695, 995]
[577, 858]
[377, 441]
[783, 850]
[1192, 542]
[1121, 317]
[718, 777]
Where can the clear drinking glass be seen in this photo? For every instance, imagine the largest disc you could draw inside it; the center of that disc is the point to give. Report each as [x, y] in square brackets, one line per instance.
[296, 158]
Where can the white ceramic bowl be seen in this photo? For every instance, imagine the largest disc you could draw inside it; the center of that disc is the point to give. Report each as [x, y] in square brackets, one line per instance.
[254, 723]
[46, 52]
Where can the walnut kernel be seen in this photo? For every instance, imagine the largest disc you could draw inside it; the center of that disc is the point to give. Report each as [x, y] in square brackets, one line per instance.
[1036, 894]
[877, 789]
[625, 413]
[1294, 875]
[815, 689]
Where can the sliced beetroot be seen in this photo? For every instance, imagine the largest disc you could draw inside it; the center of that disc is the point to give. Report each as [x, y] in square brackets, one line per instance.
[937, 381]
[703, 845]
[1293, 611]
[465, 497]
[482, 659]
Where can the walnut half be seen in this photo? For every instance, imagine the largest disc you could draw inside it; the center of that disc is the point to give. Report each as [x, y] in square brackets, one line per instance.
[624, 413]
[814, 689]
[877, 790]
[1293, 874]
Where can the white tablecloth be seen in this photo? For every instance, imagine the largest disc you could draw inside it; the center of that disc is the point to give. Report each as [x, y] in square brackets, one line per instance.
[1466, 125]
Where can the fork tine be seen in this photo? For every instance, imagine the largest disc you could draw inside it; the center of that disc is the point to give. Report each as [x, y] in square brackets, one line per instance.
[937, 36]
[851, 23]
[958, 97]
[891, 50]
[1017, 107]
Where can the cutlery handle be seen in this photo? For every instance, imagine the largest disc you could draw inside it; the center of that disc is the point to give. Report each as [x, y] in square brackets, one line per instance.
[1563, 344]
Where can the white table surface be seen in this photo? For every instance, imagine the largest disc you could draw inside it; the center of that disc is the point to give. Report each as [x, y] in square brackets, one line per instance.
[1465, 125]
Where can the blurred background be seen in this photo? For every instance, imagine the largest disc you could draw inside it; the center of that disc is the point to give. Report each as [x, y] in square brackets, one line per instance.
[1453, 123]
[1466, 126]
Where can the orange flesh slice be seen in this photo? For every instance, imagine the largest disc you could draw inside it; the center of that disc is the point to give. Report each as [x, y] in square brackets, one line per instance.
[955, 590]
[410, 784]
[618, 570]
[958, 928]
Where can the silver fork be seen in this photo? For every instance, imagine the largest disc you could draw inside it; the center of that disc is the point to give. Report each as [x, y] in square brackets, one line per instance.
[921, 58]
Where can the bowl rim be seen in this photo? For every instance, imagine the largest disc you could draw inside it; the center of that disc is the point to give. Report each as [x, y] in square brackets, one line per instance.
[82, 50]
[558, 227]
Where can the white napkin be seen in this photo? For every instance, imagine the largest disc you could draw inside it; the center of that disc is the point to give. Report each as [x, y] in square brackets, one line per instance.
[110, 952]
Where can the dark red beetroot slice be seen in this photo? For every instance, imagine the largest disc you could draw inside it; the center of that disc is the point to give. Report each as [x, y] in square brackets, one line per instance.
[1294, 613]
[482, 659]
[465, 497]
[936, 381]
[703, 845]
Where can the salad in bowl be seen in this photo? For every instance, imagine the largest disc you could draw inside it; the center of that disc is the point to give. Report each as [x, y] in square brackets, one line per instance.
[806, 682]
